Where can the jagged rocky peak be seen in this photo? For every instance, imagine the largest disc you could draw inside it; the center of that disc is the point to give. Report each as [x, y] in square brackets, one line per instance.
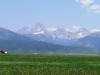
[83, 30]
[61, 29]
[39, 27]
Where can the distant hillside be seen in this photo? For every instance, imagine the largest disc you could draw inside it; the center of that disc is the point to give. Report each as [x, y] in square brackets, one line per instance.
[13, 46]
[9, 35]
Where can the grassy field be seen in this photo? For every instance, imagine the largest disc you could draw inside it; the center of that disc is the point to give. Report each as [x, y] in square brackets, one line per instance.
[17, 64]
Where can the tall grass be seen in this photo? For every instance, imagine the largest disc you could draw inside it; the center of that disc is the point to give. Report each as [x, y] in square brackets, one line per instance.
[16, 64]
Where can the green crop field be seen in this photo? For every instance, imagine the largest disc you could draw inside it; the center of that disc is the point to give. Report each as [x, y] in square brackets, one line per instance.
[20, 64]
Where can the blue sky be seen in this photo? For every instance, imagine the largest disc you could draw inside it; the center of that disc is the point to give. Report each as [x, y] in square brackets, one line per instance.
[15, 14]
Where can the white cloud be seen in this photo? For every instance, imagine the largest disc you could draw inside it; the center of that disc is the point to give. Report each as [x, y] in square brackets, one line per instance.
[95, 8]
[85, 3]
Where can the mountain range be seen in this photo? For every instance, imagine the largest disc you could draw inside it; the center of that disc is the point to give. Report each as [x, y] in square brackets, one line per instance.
[13, 42]
[58, 33]
[62, 36]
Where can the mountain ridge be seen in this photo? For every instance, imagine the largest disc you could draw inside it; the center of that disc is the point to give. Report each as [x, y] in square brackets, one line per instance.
[6, 34]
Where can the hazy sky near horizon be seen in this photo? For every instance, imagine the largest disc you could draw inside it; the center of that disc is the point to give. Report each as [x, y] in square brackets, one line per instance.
[15, 14]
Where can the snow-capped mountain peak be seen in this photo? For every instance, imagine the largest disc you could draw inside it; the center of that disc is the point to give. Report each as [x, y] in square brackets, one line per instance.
[59, 32]
[82, 32]
[39, 27]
